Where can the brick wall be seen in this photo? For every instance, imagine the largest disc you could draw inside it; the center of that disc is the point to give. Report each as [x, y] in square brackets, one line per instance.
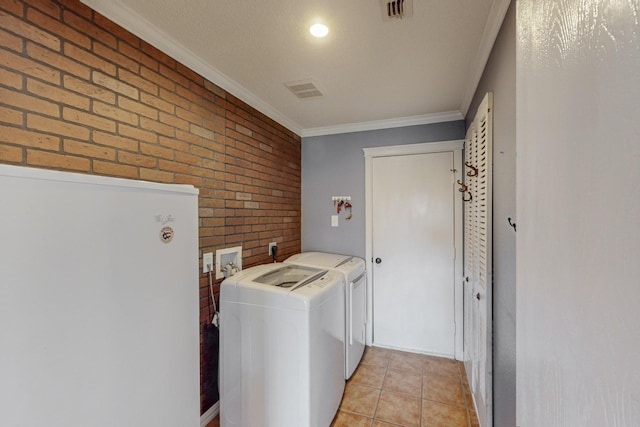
[81, 94]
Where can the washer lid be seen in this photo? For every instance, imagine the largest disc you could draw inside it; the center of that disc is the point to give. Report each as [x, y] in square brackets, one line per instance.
[290, 276]
[352, 267]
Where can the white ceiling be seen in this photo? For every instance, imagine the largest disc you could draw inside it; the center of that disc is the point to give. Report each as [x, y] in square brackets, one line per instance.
[373, 74]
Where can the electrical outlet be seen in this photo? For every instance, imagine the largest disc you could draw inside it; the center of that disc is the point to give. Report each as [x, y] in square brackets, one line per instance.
[272, 244]
[207, 262]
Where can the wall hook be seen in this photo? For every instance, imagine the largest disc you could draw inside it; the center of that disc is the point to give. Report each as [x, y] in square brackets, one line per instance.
[513, 224]
[464, 199]
[473, 171]
[463, 187]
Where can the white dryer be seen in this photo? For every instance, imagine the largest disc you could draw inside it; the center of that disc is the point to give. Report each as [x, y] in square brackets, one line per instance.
[281, 346]
[353, 270]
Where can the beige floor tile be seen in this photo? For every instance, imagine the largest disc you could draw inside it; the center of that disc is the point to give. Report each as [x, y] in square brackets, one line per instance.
[436, 365]
[403, 382]
[346, 419]
[376, 356]
[436, 414]
[378, 423]
[399, 409]
[406, 362]
[443, 389]
[360, 399]
[368, 375]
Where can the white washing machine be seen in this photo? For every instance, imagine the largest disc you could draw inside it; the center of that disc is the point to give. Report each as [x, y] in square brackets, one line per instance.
[354, 272]
[281, 346]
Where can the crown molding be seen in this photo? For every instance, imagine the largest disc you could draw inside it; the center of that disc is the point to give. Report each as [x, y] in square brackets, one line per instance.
[447, 116]
[497, 13]
[141, 27]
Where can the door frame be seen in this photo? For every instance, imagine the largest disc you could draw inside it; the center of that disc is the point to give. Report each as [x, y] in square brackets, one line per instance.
[455, 146]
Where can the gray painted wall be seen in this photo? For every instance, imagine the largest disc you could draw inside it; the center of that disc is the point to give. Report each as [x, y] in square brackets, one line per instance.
[333, 165]
[500, 78]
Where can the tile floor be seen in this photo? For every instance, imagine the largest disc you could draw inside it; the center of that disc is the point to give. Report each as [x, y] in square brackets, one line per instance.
[393, 388]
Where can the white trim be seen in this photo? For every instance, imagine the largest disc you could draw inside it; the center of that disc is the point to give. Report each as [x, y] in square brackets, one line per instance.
[132, 21]
[447, 116]
[424, 148]
[497, 13]
[211, 413]
[456, 146]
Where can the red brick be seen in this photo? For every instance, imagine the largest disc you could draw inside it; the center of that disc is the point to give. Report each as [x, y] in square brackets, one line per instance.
[156, 102]
[114, 85]
[88, 119]
[28, 67]
[136, 133]
[77, 7]
[89, 59]
[89, 29]
[57, 61]
[46, 6]
[135, 54]
[155, 175]
[157, 127]
[171, 166]
[115, 141]
[174, 144]
[57, 127]
[156, 151]
[189, 116]
[136, 107]
[174, 99]
[188, 94]
[11, 154]
[187, 158]
[174, 121]
[28, 31]
[13, 6]
[91, 90]
[113, 169]
[137, 159]
[187, 179]
[28, 139]
[7, 78]
[113, 28]
[156, 54]
[200, 131]
[156, 78]
[139, 82]
[10, 116]
[10, 41]
[59, 161]
[215, 89]
[27, 102]
[174, 76]
[88, 150]
[114, 113]
[56, 94]
[58, 28]
[115, 57]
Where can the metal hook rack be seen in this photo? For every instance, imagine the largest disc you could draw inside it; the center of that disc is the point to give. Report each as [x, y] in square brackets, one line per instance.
[473, 171]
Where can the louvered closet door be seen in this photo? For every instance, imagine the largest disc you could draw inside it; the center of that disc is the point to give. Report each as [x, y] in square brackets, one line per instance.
[477, 259]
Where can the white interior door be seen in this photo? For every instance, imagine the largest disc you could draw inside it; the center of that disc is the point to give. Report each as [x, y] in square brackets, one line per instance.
[414, 251]
[477, 261]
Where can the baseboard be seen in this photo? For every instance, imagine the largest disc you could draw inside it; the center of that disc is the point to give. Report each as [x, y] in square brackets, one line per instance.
[210, 414]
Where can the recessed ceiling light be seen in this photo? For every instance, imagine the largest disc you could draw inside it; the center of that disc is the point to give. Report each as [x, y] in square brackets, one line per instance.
[319, 30]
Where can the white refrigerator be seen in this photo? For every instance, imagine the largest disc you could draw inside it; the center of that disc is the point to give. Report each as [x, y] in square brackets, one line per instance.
[99, 322]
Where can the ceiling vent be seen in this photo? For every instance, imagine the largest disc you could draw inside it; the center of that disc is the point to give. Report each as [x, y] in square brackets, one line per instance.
[396, 9]
[304, 89]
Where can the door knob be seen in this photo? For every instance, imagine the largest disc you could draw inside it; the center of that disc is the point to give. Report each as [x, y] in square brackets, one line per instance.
[378, 260]
[478, 296]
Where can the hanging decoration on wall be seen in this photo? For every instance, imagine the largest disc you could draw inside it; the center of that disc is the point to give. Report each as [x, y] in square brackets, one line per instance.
[341, 203]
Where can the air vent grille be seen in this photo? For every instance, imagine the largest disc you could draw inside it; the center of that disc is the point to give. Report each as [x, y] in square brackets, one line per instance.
[396, 9]
[304, 89]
